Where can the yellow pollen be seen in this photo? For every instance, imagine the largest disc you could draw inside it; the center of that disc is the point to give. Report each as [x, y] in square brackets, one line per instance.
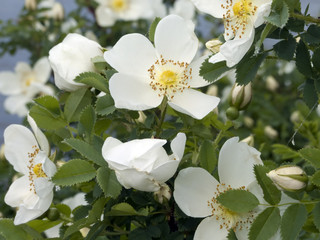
[29, 81]
[38, 171]
[168, 77]
[119, 5]
[242, 7]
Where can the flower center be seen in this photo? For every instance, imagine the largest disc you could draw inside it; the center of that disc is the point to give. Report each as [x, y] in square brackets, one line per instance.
[229, 219]
[238, 21]
[119, 5]
[169, 77]
[38, 171]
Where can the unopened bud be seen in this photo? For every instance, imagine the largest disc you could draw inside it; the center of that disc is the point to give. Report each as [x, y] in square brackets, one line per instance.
[241, 96]
[212, 90]
[2, 152]
[249, 140]
[272, 84]
[248, 121]
[289, 178]
[270, 132]
[232, 113]
[163, 194]
[57, 11]
[214, 45]
[142, 117]
[30, 4]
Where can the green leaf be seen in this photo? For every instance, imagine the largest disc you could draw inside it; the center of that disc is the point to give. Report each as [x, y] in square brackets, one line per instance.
[87, 122]
[295, 25]
[87, 150]
[286, 48]
[93, 79]
[284, 151]
[73, 172]
[105, 105]
[123, 209]
[292, 221]
[316, 216]
[108, 182]
[316, 178]
[248, 68]
[45, 119]
[50, 103]
[9, 231]
[310, 95]
[312, 155]
[42, 225]
[245, 202]
[269, 28]
[303, 59]
[75, 104]
[207, 156]
[316, 59]
[75, 227]
[152, 28]
[294, 5]
[96, 211]
[99, 63]
[64, 209]
[270, 192]
[265, 225]
[312, 36]
[212, 72]
[279, 13]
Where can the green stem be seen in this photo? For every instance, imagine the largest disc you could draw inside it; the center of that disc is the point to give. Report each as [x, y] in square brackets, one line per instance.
[305, 18]
[290, 203]
[163, 109]
[65, 218]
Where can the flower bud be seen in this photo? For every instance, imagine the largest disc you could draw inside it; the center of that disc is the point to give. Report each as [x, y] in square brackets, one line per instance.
[249, 140]
[30, 4]
[214, 45]
[272, 84]
[289, 178]
[163, 193]
[232, 113]
[57, 11]
[270, 132]
[241, 96]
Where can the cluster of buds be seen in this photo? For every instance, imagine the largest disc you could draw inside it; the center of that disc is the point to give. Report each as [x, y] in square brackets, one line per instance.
[289, 178]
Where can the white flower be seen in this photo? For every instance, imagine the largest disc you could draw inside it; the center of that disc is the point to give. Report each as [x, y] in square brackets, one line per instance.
[30, 4]
[183, 8]
[196, 191]
[28, 153]
[70, 58]
[109, 11]
[24, 84]
[143, 164]
[240, 17]
[54, 9]
[162, 71]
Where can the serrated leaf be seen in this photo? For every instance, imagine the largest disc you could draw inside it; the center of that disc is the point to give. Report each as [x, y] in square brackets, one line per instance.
[207, 156]
[279, 13]
[232, 235]
[303, 59]
[123, 209]
[310, 95]
[87, 122]
[212, 72]
[248, 68]
[75, 104]
[9, 231]
[294, 5]
[316, 59]
[316, 216]
[108, 182]
[73, 172]
[105, 105]
[50, 103]
[86, 150]
[64, 209]
[312, 155]
[96, 211]
[93, 79]
[42, 225]
[269, 28]
[45, 119]
[265, 225]
[76, 226]
[316, 178]
[153, 27]
[284, 151]
[312, 36]
[270, 192]
[285, 49]
[295, 25]
[292, 221]
[99, 63]
[245, 201]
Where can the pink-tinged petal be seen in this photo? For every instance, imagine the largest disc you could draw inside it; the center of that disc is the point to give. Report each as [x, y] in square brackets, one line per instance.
[133, 93]
[133, 54]
[10, 83]
[236, 161]
[19, 142]
[209, 229]
[174, 39]
[18, 191]
[105, 16]
[196, 80]
[16, 104]
[178, 144]
[193, 188]
[194, 103]
[42, 69]
[41, 138]
[211, 7]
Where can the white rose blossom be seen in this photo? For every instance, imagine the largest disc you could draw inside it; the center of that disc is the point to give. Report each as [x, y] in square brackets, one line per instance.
[143, 164]
[240, 17]
[147, 73]
[24, 84]
[196, 192]
[70, 58]
[28, 152]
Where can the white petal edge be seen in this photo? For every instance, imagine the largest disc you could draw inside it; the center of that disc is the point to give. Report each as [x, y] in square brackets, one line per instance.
[10, 83]
[211, 7]
[42, 69]
[41, 138]
[178, 144]
[197, 81]
[208, 228]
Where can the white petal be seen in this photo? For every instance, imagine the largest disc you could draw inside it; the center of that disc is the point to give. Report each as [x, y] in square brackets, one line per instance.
[242, 234]
[42, 70]
[194, 103]
[105, 16]
[61, 83]
[22, 68]
[43, 187]
[175, 40]
[133, 54]
[183, 8]
[264, 8]
[9, 83]
[40, 88]
[49, 167]
[209, 229]
[16, 104]
[211, 7]
[18, 191]
[164, 172]
[41, 138]
[193, 188]
[18, 143]
[108, 144]
[177, 145]
[131, 92]
[235, 164]
[197, 81]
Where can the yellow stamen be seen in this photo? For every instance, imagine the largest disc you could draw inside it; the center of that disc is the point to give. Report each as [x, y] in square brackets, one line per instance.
[38, 171]
[119, 5]
[168, 78]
